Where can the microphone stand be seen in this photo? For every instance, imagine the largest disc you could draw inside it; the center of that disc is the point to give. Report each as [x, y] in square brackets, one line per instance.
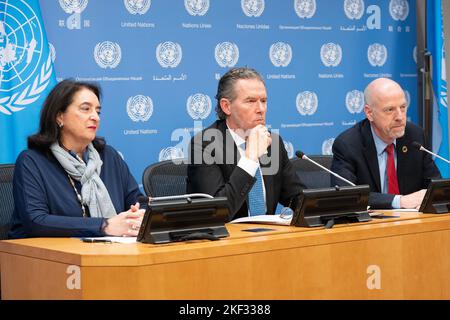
[434, 154]
[175, 197]
[327, 170]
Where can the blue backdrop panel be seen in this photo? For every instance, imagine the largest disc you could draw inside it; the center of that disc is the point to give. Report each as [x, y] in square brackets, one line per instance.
[435, 44]
[26, 74]
[158, 63]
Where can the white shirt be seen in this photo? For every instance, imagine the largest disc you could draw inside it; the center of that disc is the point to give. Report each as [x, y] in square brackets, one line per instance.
[246, 164]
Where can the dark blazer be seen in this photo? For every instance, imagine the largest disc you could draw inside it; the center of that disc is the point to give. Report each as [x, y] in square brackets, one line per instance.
[213, 170]
[355, 158]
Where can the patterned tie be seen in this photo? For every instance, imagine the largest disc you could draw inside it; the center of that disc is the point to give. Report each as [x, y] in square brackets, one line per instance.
[391, 172]
[256, 204]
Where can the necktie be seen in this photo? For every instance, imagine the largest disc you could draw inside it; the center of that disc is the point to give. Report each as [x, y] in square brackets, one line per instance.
[391, 172]
[256, 204]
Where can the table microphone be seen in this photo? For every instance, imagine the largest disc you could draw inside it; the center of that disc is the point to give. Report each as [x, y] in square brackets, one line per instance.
[303, 156]
[417, 145]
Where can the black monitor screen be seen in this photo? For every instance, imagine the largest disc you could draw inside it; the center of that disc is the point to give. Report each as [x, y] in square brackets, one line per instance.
[437, 197]
[315, 207]
[174, 220]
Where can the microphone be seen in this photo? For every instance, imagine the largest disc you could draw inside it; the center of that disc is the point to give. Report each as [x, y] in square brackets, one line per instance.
[418, 146]
[143, 199]
[303, 156]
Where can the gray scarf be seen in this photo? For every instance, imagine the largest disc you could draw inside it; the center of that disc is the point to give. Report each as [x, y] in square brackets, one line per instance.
[93, 190]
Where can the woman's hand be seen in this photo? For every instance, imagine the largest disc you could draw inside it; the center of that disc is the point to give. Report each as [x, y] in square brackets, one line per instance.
[127, 223]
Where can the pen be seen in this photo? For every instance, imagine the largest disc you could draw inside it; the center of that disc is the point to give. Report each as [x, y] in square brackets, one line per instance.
[96, 240]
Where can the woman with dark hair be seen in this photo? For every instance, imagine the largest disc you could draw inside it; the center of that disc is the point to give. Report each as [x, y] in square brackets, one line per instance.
[69, 183]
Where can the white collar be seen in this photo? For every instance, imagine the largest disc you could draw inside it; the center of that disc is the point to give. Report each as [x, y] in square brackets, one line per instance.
[238, 140]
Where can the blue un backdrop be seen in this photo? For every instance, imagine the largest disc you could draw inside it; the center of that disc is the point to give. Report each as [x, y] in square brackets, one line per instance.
[158, 63]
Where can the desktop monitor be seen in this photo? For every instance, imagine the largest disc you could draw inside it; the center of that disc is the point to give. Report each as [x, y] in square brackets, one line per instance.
[326, 206]
[437, 197]
[184, 219]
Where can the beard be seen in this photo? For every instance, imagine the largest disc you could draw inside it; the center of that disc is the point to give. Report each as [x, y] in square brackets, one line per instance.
[396, 133]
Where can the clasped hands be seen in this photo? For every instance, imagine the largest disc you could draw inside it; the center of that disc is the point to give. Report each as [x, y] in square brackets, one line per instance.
[127, 223]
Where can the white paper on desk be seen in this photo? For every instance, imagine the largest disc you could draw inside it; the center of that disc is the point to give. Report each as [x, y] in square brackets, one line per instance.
[264, 219]
[400, 210]
[404, 210]
[115, 239]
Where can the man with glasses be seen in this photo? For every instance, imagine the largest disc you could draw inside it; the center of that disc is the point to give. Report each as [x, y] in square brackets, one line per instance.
[378, 151]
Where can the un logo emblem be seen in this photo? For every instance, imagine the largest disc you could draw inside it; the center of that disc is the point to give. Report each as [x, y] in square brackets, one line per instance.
[354, 101]
[25, 63]
[377, 54]
[415, 54]
[331, 54]
[252, 8]
[307, 103]
[107, 54]
[139, 108]
[226, 54]
[137, 6]
[280, 54]
[327, 147]
[354, 9]
[196, 7]
[399, 9]
[199, 106]
[171, 153]
[305, 8]
[73, 6]
[169, 54]
[289, 149]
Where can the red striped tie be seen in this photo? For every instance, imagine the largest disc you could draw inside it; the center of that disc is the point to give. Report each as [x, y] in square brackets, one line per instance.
[391, 172]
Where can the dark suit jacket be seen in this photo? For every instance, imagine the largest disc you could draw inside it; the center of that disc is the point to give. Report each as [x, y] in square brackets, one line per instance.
[355, 158]
[213, 170]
